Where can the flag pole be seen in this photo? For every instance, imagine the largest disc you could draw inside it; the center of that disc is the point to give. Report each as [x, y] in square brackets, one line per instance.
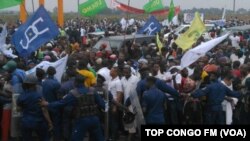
[33, 7]
[78, 3]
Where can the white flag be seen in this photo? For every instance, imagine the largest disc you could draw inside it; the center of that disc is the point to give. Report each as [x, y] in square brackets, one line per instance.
[59, 65]
[194, 54]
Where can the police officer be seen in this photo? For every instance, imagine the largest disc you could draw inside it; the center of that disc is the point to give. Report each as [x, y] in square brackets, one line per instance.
[50, 88]
[215, 93]
[34, 117]
[86, 104]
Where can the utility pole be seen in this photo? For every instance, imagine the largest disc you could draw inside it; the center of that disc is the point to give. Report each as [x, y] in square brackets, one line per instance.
[234, 6]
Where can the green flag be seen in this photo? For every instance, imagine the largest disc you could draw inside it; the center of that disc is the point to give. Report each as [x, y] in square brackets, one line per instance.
[92, 7]
[171, 11]
[9, 3]
[153, 5]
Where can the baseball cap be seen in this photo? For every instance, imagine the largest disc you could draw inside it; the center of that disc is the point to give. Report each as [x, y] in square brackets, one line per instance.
[10, 66]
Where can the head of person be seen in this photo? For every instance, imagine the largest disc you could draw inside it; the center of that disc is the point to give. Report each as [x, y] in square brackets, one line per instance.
[30, 82]
[40, 74]
[100, 80]
[82, 64]
[127, 71]
[184, 73]
[51, 71]
[228, 78]
[236, 64]
[144, 72]
[213, 76]
[114, 72]
[150, 81]
[156, 68]
[10, 66]
[79, 81]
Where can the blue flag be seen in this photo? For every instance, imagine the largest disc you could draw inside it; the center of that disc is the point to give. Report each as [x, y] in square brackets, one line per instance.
[38, 30]
[151, 27]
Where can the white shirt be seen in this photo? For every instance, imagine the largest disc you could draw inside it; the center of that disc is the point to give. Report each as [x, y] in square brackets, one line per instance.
[234, 57]
[83, 32]
[129, 85]
[235, 41]
[114, 86]
[160, 76]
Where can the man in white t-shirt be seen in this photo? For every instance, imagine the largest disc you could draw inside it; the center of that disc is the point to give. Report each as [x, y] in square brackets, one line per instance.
[115, 88]
[235, 40]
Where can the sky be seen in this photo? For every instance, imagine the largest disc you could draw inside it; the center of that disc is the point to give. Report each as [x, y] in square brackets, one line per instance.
[71, 5]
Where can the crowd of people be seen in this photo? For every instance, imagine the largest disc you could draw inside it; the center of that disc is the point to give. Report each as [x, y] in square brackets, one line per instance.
[115, 85]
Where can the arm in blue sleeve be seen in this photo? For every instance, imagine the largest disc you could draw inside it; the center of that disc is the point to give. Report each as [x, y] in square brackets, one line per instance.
[14, 80]
[69, 99]
[232, 93]
[99, 101]
[166, 89]
[198, 93]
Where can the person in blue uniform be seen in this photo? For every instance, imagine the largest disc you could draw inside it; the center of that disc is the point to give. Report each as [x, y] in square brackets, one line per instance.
[86, 104]
[153, 101]
[50, 88]
[34, 118]
[215, 94]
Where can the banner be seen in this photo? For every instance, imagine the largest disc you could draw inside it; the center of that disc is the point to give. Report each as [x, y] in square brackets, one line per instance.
[133, 10]
[194, 54]
[92, 7]
[4, 48]
[189, 17]
[151, 27]
[197, 28]
[171, 12]
[158, 42]
[59, 65]
[38, 30]
[153, 5]
[9, 3]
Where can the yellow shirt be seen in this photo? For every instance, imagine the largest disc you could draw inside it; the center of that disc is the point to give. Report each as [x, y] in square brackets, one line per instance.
[90, 79]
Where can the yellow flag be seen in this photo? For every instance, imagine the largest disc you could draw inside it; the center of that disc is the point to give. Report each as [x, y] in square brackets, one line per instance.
[197, 28]
[158, 42]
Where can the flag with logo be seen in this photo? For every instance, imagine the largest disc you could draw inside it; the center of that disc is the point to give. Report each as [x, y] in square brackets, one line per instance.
[158, 42]
[38, 30]
[92, 7]
[59, 65]
[153, 5]
[9, 3]
[171, 12]
[197, 28]
[151, 27]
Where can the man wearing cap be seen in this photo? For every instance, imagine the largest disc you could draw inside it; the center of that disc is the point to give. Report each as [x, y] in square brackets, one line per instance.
[34, 118]
[17, 75]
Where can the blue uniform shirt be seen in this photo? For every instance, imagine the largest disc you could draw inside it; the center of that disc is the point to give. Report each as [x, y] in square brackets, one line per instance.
[17, 77]
[141, 87]
[215, 94]
[153, 101]
[32, 112]
[50, 88]
[70, 100]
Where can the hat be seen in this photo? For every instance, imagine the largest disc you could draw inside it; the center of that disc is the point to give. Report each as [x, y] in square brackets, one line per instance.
[113, 57]
[143, 61]
[30, 79]
[47, 58]
[10, 66]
